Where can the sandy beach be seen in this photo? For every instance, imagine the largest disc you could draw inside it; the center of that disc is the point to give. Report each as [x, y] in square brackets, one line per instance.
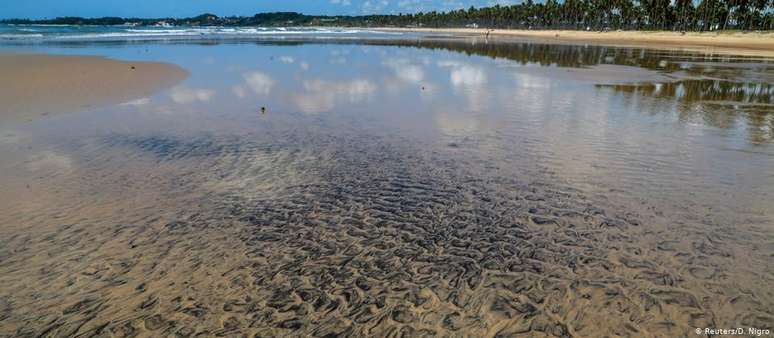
[732, 43]
[430, 187]
[35, 86]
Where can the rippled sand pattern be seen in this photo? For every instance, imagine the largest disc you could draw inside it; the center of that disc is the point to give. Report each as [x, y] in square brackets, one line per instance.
[367, 236]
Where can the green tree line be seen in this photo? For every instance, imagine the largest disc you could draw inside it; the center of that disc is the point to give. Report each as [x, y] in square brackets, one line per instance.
[706, 15]
[675, 15]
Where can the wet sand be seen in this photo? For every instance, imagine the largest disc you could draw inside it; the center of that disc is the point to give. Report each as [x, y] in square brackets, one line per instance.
[363, 236]
[748, 44]
[36, 86]
[194, 214]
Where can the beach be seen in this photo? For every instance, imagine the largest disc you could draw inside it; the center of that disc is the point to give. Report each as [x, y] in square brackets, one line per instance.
[351, 183]
[39, 85]
[729, 43]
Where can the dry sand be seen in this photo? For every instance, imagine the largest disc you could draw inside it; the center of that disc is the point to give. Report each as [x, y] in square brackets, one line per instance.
[35, 86]
[737, 43]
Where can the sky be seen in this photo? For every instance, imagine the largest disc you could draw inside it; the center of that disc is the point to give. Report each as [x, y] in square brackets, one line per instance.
[37, 9]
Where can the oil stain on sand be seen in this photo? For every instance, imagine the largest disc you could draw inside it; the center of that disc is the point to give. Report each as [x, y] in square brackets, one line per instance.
[373, 239]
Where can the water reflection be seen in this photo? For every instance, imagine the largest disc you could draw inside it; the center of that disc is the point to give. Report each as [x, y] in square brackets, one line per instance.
[706, 85]
[735, 87]
[718, 91]
[579, 55]
[186, 95]
[406, 70]
[711, 91]
[320, 95]
[259, 83]
[717, 103]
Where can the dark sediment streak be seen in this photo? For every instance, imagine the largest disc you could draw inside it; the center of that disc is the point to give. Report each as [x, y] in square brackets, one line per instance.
[368, 237]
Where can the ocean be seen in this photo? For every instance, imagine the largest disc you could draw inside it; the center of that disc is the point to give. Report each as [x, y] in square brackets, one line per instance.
[49, 33]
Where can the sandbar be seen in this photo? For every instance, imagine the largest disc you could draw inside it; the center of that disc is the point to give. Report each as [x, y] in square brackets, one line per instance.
[39, 85]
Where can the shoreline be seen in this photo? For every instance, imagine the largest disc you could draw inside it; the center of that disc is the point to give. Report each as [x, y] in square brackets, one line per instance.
[729, 43]
[41, 85]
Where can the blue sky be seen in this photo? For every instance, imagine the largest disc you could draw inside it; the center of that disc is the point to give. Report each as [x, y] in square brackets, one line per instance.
[182, 8]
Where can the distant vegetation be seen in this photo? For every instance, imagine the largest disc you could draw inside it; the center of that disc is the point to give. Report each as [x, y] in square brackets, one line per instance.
[675, 15]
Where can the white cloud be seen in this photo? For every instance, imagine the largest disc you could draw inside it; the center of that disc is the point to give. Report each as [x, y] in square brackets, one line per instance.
[355, 90]
[259, 83]
[406, 70]
[527, 80]
[239, 91]
[340, 60]
[413, 5]
[502, 2]
[468, 76]
[470, 80]
[184, 95]
[321, 95]
[371, 6]
[338, 56]
[463, 74]
[410, 6]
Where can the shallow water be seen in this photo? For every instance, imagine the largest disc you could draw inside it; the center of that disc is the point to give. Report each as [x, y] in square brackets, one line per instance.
[430, 187]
